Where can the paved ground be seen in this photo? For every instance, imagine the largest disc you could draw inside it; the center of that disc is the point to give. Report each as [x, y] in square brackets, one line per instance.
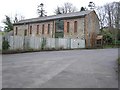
[61, 69]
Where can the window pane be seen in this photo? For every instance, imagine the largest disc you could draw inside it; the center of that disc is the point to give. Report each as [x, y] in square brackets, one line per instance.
[16, 30]
[37, 29]
[59, 26]
[43, 29]
[30, 29]
[48, 28]
[75, 26]
[68, 27]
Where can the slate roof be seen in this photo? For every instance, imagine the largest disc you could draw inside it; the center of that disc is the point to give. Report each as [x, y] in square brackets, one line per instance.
[54, 17]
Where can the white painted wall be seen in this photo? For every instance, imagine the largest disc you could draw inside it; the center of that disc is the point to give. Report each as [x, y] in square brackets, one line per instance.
[77, 43]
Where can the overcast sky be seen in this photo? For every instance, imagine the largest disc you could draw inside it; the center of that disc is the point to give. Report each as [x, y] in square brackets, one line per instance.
[27, 8]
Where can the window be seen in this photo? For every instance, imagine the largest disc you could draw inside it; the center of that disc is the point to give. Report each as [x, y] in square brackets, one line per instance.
[59, 25]
[98, 41]
[55, 27]
[16, 31]
[37, 29]
[68, 25]
[30, 29]
[48, 28]
[25, 32]
[75, 26]
[43, 29]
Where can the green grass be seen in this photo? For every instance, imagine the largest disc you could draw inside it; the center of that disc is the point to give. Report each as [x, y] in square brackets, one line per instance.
[117, 42]
[111, 46]
[108, 46]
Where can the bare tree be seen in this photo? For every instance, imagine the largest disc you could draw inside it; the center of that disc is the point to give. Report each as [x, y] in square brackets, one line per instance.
[112, 12]
[102, 16]
[66, 8]
[108, 9]
[109, 14]
[113, 17]
[18, 17]
[116, 14]
[116, 18]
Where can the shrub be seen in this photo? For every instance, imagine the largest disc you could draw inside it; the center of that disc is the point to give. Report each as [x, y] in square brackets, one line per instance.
[53, 48]
[61, 47]
[5, 45]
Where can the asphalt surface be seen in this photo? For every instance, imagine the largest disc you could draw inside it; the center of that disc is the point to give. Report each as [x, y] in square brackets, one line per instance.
[61, 69]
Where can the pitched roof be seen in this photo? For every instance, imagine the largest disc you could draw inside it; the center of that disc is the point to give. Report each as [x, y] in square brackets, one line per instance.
[54, 17]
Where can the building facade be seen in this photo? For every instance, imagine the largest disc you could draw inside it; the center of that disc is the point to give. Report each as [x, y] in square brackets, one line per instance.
[81, 25]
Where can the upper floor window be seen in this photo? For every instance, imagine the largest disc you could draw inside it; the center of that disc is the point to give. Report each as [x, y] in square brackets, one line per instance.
[16, 31]
[37, 29]
[43, 29]
[30, 29]
[75, 26]
[48, 28]
[59, 25]
[25, 32]
[68, 27]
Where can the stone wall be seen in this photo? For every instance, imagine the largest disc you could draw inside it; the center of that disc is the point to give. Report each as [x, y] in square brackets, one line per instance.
[71, 34]
[91, 29]
[80, 28]
[22, 28]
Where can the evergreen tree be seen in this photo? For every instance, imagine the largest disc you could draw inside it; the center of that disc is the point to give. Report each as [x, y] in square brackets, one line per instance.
[8, 24]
